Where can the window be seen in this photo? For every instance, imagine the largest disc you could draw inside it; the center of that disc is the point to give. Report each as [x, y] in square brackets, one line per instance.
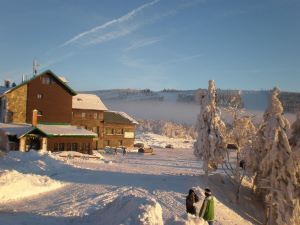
[95, 116]
[83, 115]
[120, 143]
[106, 142]
[83, 146]
[46, 80]
[74, 146]
[55, 147]
[94, 129]
[69, 147]
[39, 96]
[119, 131]
[61, 146]
[109, 131]
[40, 113]
[98, 130]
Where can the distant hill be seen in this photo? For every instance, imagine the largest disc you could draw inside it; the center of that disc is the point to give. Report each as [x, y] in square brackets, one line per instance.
[182, 105]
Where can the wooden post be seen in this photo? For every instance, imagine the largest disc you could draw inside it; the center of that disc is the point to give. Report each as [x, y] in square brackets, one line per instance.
[23, 144]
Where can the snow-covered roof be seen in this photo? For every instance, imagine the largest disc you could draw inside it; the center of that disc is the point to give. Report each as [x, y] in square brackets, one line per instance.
[48, 130]
[15, 129]
[118, 117]
[63, 79]
[3, 90]
[64, 130]
[88, 101]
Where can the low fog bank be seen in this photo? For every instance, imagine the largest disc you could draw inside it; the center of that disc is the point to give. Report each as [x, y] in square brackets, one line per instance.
[184, 113]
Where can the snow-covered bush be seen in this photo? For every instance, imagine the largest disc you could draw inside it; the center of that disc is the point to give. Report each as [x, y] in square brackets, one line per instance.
[210, 128]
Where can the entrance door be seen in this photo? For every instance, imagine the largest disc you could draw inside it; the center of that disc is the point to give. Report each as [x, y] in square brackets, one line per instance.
[33, 142]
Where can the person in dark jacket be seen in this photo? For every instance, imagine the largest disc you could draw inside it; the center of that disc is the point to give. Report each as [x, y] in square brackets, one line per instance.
[207, 211]
[191, 199]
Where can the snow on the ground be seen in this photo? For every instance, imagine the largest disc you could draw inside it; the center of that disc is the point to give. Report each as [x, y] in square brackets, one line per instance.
[132, 186]
[15, 185]
[129, 209]
[160, 141]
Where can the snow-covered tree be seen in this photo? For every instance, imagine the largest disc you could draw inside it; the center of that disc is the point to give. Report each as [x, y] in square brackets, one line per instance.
[241, 134]
[295, 139]
[286, 194]
[276, 178]
[210, 128]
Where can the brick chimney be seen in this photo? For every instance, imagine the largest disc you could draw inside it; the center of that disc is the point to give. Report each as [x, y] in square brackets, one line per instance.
[7, 83]
[34, 118]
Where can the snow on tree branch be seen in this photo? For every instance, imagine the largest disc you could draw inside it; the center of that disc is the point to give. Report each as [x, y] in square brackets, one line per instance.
[210, 128]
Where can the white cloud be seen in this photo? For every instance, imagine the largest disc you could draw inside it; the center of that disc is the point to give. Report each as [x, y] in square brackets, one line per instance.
[98, 34]
[143, 43]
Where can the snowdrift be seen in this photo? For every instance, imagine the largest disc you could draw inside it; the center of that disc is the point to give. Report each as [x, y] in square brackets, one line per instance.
[190, 220]
[35, 162]
[127, 210]
[15, 185]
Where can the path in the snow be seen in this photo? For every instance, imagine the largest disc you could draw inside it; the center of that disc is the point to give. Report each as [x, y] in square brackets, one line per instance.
[165, 176]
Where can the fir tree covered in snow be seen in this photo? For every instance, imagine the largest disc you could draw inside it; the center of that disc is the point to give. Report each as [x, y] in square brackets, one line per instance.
[276, 173]
[210, 128]
[295, 139]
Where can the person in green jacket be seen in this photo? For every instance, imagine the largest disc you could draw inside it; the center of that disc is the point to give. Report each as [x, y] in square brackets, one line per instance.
[207, 211]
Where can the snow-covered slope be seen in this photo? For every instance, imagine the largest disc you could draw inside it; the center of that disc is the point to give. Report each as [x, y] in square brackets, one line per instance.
[132, 187]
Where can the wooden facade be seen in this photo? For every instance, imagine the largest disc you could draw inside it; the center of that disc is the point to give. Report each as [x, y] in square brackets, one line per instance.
[78, 144]
[50, 97]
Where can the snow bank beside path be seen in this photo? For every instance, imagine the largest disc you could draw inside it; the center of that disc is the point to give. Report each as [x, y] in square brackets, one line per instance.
[127, 210]
[15, 185]
[35, 162]
[160, 141]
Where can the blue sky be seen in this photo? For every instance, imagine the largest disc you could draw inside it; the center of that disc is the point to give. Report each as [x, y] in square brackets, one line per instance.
[156, 44]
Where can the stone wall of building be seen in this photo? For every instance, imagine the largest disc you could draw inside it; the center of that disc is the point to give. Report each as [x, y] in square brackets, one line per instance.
[16, 105]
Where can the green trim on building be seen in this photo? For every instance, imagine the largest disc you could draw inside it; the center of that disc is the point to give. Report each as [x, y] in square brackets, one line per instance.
[51, 123]
[76, 136]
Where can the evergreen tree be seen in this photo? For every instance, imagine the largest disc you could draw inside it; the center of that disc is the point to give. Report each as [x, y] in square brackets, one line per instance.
[210, 128]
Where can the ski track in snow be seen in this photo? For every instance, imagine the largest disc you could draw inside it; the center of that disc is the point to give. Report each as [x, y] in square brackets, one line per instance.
[92, 184]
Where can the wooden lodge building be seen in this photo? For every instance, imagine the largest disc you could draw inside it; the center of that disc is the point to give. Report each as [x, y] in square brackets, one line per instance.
[119, 129]
[45, 113]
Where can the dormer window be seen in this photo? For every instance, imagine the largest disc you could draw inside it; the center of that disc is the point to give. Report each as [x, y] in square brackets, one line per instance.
[46, 80]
